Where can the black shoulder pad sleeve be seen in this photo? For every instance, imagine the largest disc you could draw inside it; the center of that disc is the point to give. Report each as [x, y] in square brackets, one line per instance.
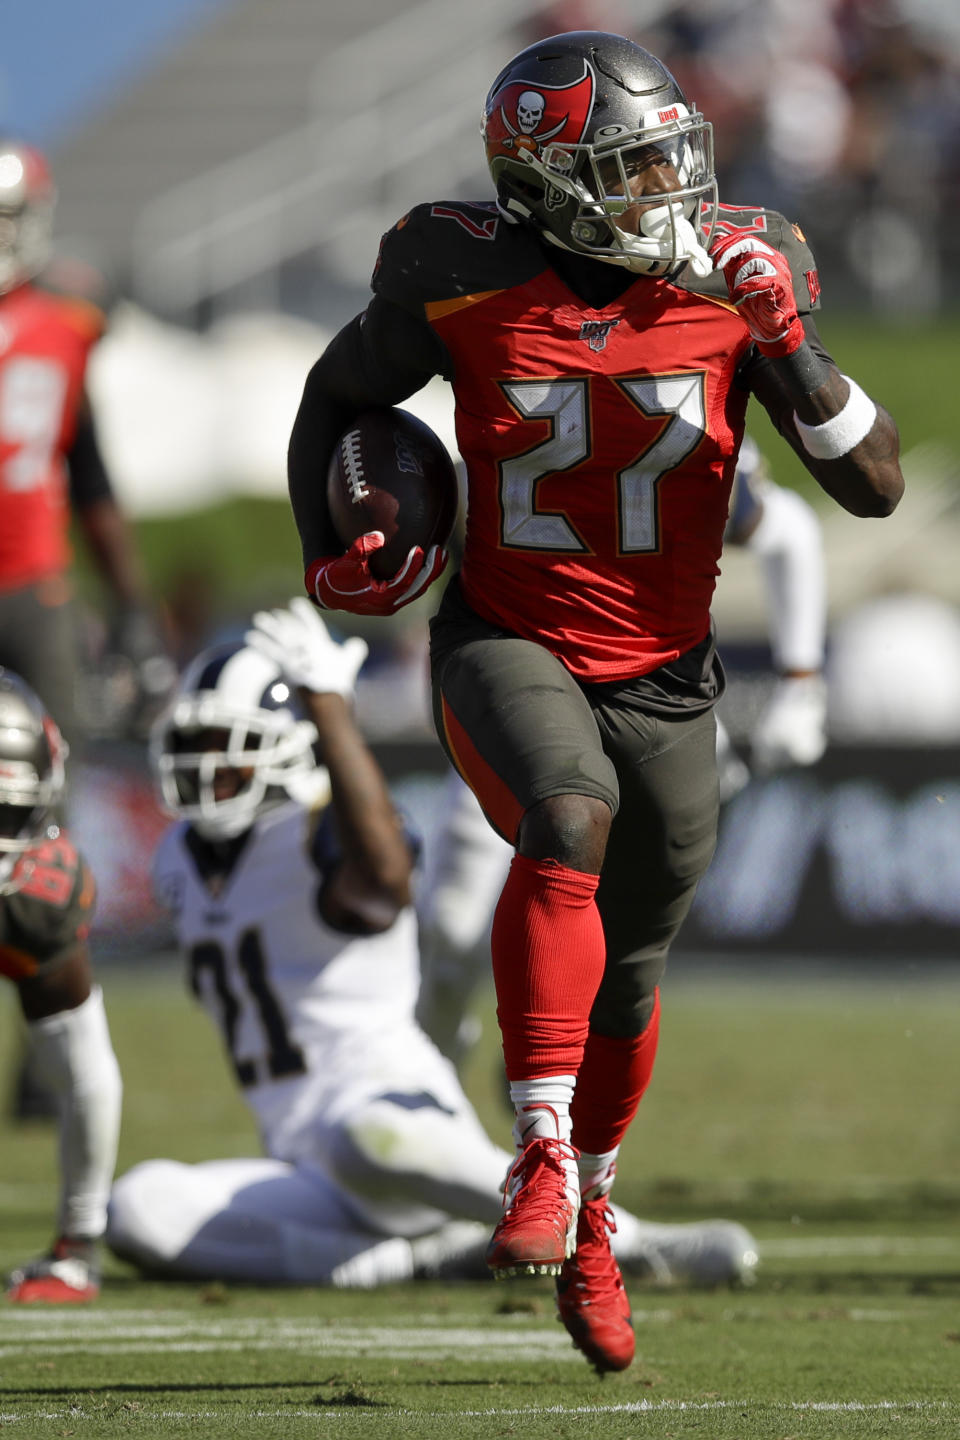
[788, 238]
[451, 248]
[381, 357]
[773, 229]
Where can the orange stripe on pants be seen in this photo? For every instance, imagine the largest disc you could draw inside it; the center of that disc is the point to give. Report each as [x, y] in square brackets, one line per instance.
[497, 801]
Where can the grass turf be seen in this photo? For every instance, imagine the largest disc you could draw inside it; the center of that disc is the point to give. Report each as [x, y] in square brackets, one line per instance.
[822, 1115]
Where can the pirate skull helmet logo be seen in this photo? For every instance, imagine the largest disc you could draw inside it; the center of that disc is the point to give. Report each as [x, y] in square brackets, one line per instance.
[530, 108]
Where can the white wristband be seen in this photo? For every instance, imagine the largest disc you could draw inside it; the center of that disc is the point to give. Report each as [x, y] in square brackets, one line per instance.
[838, 436]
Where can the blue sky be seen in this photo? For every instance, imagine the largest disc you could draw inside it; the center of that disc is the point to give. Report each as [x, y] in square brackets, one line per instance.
[61, 59]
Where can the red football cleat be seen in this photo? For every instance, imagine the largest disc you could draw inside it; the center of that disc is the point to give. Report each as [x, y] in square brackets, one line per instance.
[69, 1275]
[592, 1302]
[537, 1230]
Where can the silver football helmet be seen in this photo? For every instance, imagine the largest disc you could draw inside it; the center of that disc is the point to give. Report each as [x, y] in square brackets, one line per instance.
[27, 199]
[233, 742]
[569, 123]
[32, 755]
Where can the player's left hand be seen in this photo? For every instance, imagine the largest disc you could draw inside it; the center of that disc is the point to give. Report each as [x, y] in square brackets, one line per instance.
[792, 730]
[139, 674]
[299, 642]
[761, 286]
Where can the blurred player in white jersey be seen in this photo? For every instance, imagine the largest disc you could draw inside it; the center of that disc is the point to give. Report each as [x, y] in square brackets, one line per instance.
[468, 862]
[782, 530]
[290, 886]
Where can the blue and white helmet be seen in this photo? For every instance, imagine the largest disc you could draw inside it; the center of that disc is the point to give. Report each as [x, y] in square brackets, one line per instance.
[266, 736]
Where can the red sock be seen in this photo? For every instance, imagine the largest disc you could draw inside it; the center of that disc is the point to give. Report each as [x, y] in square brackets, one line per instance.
[548, 956]
[613, 1076]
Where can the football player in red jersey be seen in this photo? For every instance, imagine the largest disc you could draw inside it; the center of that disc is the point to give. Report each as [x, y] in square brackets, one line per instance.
[51, 467]
[51, 464]
[46, 903]
[603, 323]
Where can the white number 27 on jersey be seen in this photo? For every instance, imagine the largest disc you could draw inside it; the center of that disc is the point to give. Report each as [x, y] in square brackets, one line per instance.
[566, 404]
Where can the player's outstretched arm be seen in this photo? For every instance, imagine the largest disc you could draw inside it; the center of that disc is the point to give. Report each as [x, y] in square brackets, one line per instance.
[372, 882]
[847, 442]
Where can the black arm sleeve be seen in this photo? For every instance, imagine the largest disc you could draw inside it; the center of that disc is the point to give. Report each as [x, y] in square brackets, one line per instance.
[88, 478]
[381, 357]
[759, 374]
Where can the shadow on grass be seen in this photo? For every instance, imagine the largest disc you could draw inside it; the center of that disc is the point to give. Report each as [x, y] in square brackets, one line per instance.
[131, 1388]
[350, 1394]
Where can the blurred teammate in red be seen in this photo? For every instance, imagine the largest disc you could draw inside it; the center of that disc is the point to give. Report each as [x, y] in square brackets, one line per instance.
[52, 471]
[603, 322]
[51, 467]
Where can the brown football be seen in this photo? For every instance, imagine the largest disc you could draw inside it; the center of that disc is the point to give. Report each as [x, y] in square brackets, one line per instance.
[390, 472]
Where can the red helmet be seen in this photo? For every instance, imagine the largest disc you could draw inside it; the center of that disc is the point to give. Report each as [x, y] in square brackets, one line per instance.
[27, 198]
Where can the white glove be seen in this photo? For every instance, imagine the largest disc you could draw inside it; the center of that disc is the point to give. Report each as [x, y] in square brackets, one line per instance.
[732, 774]
[299, 642]
[793, 728]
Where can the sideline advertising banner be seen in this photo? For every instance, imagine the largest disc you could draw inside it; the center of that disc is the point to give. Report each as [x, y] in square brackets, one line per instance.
[857, 856]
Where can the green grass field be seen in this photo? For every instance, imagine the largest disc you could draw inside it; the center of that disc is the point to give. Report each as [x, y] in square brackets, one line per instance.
[823, 1115]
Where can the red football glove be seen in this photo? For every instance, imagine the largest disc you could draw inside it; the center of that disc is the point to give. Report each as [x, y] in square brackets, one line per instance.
[761, 286]
[344, 582]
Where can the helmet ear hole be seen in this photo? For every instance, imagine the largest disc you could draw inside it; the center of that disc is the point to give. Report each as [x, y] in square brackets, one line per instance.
[527, 189]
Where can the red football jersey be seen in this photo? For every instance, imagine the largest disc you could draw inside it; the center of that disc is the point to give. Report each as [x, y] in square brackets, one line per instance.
[46, 916]
[44, 344]
[600, 444]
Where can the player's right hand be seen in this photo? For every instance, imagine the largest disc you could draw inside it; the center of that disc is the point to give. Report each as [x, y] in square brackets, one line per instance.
[299, 642]
[344, 582]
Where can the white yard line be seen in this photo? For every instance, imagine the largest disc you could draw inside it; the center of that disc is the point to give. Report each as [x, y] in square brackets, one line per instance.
[637, 1407]
[143, 1332]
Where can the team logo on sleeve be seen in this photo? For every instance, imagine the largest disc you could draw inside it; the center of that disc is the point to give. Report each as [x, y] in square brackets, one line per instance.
[527, 117]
